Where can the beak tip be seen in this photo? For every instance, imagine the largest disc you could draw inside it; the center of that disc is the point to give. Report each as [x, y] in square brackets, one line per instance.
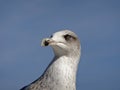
[44, 42]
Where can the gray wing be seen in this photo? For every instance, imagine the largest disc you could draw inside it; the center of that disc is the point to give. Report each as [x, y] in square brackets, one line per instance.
[38, 84]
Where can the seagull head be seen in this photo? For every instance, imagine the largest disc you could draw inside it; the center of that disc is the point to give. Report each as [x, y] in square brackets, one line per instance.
[63, 42]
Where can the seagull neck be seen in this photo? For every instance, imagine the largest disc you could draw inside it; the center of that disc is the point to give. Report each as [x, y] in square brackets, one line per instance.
[62, 71]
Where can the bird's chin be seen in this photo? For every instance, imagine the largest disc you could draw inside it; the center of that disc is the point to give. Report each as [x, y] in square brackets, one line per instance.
[60, 49]
[59, 46]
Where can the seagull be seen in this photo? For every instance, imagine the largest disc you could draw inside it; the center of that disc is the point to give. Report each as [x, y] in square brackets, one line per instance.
[61, 72]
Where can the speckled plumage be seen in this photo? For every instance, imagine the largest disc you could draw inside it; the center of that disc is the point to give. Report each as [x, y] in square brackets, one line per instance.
[61, 72]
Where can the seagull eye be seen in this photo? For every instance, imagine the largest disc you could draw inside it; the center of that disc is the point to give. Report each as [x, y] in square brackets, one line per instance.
[68, 37]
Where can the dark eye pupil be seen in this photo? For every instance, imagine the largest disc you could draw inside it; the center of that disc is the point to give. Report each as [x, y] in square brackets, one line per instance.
[67, 37]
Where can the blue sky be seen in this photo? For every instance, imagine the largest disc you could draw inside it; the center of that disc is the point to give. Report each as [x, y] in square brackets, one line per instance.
[24, 23]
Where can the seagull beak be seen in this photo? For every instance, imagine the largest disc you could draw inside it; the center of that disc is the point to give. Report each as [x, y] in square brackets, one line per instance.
[47, 42]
